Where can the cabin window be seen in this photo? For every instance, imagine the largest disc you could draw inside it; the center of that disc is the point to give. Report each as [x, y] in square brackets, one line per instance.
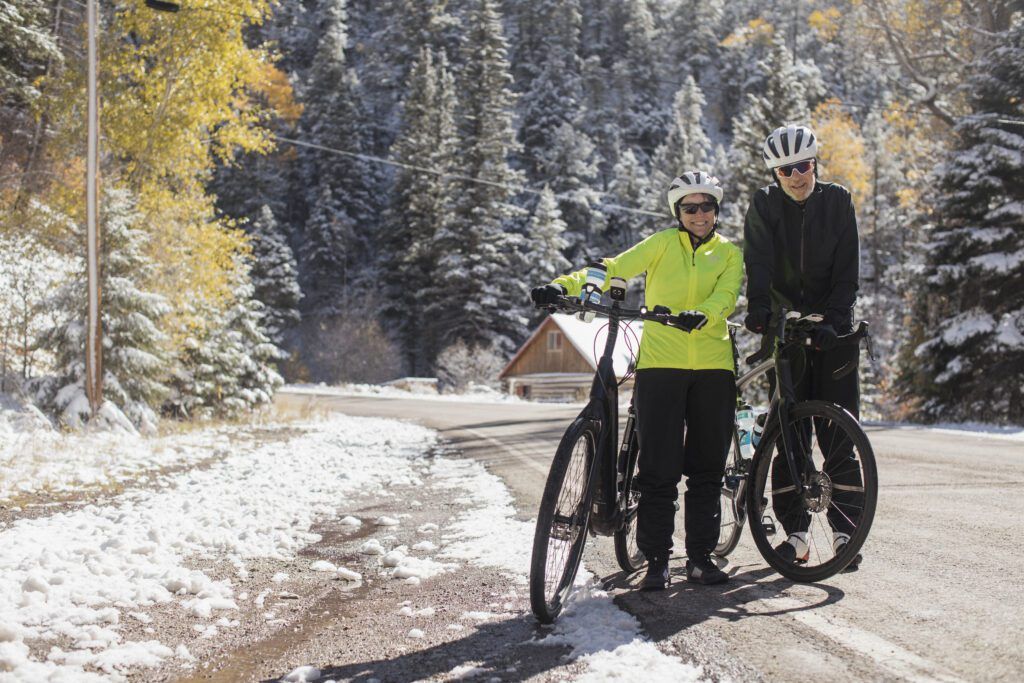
[554, 341]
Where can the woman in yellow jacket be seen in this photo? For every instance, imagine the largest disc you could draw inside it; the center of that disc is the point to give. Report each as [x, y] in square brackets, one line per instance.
[685, 382]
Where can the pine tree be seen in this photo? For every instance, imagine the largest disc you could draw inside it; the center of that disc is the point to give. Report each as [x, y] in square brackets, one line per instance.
[546, 240]
[569, 167]
[327, 257]
[781, 98]
[27, 46]
[638, 78]
[342, 188]
[421, 205]
[969, 312]
[134, 360]
[274, 277]
[686, 147]
[226, 368]
[554, 95]
[476, 298]
[695, 26]
[630, 187]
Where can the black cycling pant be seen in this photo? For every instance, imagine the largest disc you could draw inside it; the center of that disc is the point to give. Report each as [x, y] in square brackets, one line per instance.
[685, 425]
[812, 380]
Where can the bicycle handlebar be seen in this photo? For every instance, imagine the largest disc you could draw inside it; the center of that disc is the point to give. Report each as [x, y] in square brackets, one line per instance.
[566, 304]
[799, 331]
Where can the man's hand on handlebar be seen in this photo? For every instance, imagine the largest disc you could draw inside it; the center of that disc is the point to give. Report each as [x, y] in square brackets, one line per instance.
[824, 337]
[547, 295]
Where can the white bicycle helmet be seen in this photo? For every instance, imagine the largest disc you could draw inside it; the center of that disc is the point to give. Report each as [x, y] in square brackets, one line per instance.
[693, 182]
[788, 145]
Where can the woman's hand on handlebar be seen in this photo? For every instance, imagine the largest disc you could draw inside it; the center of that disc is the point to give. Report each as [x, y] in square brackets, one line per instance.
[547, 295]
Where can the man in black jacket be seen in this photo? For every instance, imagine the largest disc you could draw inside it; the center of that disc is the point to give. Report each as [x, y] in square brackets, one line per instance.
[802, 252]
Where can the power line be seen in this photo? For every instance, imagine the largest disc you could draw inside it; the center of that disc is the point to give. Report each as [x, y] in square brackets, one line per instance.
[456, 176]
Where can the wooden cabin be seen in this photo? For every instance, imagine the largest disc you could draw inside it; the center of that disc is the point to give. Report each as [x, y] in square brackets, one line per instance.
[558, 361]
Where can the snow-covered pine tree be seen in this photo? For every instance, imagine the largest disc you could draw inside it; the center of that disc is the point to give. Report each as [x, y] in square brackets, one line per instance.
[569, 167]
[227, 366]
[686, 147]
[27, 45]
[694, 26]
[135, 362]
[274, 277]
[969, 308]
[421, 205]
[477, 296]
[630, 187]
[327, 258]
[779, 99]
[546, 241]
[554, 93]
[639, 79]
[334, 119]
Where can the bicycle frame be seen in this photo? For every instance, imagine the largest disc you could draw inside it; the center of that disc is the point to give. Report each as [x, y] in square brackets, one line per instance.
[603, 406]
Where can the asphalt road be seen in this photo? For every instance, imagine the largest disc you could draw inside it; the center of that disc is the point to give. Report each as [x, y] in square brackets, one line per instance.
[938, 596]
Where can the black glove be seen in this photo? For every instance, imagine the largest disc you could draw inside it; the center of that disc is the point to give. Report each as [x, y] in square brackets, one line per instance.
[757, 320]
[694, 320]
[546, 295]
[824, 337]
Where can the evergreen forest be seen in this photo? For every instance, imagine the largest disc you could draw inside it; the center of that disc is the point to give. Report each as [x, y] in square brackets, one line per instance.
[357, 190]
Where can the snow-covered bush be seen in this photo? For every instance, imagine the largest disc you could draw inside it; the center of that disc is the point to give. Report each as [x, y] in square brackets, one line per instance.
[227, 364]
[29, 273]
[461, 365]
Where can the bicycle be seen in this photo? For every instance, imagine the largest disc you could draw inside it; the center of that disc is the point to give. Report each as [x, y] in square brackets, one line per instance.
[786, 483]
[590, 483]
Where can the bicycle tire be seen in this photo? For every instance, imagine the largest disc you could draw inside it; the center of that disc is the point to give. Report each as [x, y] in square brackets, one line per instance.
[761, 504]
[627, 554]
[562, 520]
[733, 509]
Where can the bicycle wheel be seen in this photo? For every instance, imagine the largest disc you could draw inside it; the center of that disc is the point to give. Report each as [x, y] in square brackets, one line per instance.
[839, 499]
[628, 555]
[562, 520]
[733, 503]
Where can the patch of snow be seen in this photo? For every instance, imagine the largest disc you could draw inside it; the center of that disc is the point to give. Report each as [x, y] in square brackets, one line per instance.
[72, 575]
[303, 674]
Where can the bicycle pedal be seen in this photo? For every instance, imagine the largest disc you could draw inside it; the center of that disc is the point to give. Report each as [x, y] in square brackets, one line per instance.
[732, 481]
[769, 526]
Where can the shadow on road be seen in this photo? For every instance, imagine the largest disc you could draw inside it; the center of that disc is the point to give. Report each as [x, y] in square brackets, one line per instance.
[509, 649]
[504, 649]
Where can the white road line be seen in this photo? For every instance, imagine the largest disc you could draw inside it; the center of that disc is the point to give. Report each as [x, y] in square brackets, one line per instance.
[885, 654]
[520, 455]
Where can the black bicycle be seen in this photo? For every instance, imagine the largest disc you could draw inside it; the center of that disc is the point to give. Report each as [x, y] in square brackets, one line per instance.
[591, 482]
[812, 473]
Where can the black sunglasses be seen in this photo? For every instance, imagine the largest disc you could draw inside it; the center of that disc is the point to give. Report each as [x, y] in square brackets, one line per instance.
[800, 167]
[706, 207]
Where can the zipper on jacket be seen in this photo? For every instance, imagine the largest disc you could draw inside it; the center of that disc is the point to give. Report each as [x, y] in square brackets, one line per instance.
[803, 239]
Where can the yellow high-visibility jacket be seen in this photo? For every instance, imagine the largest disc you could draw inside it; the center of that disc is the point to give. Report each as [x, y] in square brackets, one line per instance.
[707, 280]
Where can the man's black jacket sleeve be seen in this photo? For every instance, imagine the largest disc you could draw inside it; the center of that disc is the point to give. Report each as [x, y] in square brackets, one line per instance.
[758, 254]
[845, 271]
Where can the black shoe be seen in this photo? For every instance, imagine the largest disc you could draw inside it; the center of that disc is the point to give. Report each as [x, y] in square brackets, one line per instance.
[787, 550]
[657, 575]
[838, 545]
[702, 570]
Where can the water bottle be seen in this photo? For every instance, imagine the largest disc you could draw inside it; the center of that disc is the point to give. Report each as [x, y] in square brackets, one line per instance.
[759, 422]
[591, 291]
[745, 427]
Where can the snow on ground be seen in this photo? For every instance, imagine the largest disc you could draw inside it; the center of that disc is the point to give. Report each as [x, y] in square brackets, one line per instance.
[34, 457]
[479, 395]
[70, 578]
[975, 429]
[606, 639]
